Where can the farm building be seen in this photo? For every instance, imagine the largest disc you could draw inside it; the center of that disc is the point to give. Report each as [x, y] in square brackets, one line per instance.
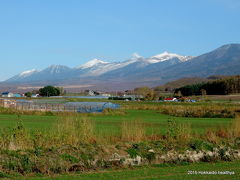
[92, 93]
[35, 95]
[17, 95]
[170, 99]
[7, 94]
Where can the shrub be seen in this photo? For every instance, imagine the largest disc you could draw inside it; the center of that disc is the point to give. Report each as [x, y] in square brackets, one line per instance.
[198, 144]
[178, 131]
[211, 136]
[222, 133]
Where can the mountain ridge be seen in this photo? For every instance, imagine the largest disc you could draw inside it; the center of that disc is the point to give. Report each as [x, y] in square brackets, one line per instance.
[94, 67]
[138, 70]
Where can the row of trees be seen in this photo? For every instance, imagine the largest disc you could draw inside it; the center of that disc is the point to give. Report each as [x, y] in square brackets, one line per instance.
[224, 86]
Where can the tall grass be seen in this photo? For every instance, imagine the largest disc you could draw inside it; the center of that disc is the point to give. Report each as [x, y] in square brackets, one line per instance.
[16, 138]
[236, 127]
[226, 134]
[216, 110]
[212, 136]
[133, 130]
[75, 130]
[184, 133]
[178, 133]
[208, 111]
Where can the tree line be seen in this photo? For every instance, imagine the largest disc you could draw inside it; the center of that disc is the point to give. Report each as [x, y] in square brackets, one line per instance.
[229, 85]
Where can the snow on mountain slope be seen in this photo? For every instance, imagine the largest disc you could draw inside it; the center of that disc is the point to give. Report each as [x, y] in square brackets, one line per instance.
[166, 56]
[23, 75]
[97, 67]
[92, 63]
[56, 69]
[27, 73]
[143, 65]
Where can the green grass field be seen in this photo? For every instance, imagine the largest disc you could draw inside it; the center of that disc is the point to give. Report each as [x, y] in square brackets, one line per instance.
[110, 124]
[163, 171]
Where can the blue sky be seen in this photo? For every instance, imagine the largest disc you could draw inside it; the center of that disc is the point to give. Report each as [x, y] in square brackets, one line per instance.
[39, 33]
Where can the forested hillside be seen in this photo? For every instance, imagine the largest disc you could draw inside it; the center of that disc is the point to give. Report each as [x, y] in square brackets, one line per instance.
[224, 86]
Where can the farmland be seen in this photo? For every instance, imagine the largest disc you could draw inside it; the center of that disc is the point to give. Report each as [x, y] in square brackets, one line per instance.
[152, 135]
[153, 120]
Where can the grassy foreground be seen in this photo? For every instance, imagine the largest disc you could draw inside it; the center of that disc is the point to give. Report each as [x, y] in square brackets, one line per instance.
[163, 171]
[46, 144]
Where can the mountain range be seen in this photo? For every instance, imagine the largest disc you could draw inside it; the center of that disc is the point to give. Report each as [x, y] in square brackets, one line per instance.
[136, 71]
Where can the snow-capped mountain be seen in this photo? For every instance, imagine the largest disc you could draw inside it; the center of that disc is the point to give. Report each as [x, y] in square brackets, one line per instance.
[55, 69]
[138, 64]
[53, 72]
[23, 75]
[224, 60]
[136, 71]
[97, 67]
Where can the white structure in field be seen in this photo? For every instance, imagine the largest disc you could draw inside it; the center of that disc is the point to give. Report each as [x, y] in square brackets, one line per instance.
[7, 94]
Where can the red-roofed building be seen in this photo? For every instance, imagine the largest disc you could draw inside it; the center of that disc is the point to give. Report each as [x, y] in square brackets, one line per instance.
[170, 99]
